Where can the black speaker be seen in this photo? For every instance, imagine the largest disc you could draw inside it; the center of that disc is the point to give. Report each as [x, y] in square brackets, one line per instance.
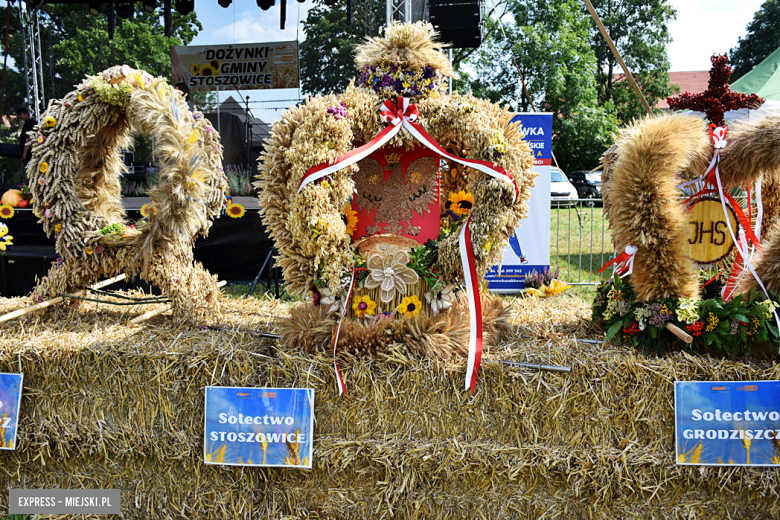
[463, 15]
[459, 22]
[461, 37]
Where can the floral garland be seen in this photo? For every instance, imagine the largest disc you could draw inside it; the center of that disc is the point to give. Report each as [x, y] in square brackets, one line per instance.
[393, 81]
[732, 327]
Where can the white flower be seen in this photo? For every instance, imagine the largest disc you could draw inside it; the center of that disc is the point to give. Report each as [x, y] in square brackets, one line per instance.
[327, 297]
[444, 300]
[390, 274]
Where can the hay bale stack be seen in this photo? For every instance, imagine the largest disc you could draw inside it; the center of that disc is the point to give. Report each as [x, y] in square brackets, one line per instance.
[111, 406]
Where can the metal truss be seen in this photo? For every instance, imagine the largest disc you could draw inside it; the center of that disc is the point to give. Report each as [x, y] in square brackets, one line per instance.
[406, 11]
[33, 61]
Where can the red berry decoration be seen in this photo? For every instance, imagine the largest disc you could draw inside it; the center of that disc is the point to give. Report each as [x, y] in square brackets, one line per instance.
[695, 328]
[631, 329]
[718, 98]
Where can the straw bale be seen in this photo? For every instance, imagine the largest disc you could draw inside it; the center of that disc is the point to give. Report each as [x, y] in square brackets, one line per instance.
[106, 405]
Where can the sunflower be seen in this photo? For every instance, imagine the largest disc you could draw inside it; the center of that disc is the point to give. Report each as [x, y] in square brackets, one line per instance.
[207, 70]
[50, 121]
[148, 209]
[215, 64]
[364, 306]
[235, 210]
[6, 211]
[350, 219]
[410, 306]
[461, 202]
[195, 69]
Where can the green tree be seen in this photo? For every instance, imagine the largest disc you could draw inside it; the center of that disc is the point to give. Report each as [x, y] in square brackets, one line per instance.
[639, 29]
[75, 43]
[549, 41]
[761, 40]
[327, 61]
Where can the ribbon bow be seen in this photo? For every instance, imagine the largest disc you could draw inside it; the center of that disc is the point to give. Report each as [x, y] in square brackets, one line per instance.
[395, 114]
[624, 262]
[718, 136]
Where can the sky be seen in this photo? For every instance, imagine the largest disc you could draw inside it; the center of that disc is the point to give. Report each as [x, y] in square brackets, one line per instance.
[705, 27]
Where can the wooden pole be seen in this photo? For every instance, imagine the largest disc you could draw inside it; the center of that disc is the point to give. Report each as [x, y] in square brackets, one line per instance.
[160, 310]
[677, 331]
[604, 33]
[55, 301]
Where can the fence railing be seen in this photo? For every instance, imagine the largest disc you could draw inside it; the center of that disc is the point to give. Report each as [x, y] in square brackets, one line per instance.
[580, 240]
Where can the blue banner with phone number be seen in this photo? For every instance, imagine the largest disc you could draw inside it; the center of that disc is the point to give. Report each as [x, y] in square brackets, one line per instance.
[729, 423]
[529, 248]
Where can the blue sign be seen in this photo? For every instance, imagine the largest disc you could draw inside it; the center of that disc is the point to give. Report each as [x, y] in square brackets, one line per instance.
[270, 427]
[10, 401]
[529, 248]
[729, 423]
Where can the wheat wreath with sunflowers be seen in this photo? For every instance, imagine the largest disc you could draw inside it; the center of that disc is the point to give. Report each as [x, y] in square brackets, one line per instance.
[404, 288]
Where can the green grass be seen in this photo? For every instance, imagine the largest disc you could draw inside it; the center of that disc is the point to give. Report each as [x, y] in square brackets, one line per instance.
[580, 243]
[237, 291]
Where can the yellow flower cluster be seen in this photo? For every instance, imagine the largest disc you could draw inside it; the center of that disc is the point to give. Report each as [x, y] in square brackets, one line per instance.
[756, 323]
[499, 143]
[712, 322]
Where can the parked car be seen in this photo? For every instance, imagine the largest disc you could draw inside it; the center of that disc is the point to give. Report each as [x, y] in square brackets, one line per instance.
[588, 184]
[561, 190]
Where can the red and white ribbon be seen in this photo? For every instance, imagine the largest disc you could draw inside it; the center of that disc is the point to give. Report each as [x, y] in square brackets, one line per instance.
[406, 115]
[624, 262]
[719, 142]
[339, 379]
[475, 305]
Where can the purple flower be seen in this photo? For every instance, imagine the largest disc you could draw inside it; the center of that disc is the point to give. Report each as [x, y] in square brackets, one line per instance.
[315, 296]
[658, 318]
[58, 261]
[203, 327]
[735, 327]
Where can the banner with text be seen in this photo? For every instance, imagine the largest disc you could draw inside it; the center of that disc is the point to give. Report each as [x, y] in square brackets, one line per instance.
[729, 423]
[529, 249]
[259, 426]
[247, 66]
[10, 401]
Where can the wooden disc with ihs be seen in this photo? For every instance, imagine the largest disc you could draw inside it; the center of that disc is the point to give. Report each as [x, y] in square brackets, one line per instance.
[707, 237]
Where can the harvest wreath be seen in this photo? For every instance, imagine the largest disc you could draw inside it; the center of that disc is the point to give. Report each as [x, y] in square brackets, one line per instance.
[75, 175]
[667, 183]
[378, 198]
